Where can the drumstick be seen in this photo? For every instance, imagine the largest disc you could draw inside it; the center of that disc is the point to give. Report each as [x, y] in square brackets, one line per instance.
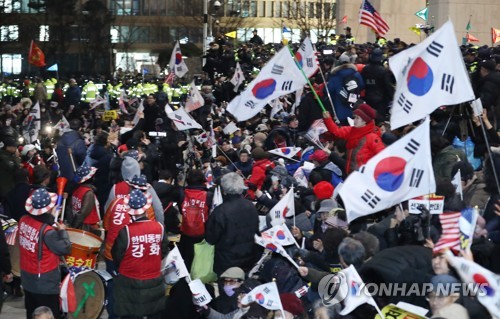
[70, 152]
[65, 196]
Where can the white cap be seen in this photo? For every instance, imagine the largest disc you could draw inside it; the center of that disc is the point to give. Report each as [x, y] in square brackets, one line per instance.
[27, 148]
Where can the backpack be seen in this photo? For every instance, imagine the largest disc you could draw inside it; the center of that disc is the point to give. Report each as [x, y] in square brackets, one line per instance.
[194, 213]
[350, 92]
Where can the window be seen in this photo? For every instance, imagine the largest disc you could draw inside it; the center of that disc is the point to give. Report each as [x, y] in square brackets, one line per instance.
[253, 8]
[9, 33]
[10, 6]
[310, 14]
[44, 33]
[11, 63]
[269, 9]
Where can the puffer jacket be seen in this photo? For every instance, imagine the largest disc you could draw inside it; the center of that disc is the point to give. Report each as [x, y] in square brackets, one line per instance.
[74, 141]
[362, 143]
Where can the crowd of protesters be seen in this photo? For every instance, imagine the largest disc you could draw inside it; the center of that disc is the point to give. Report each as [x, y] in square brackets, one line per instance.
[165, 179]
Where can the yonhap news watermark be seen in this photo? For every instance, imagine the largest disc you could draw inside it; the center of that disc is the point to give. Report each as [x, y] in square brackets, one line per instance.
[335, 288]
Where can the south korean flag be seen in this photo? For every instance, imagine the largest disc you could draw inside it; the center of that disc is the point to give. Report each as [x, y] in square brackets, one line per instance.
[400, 172]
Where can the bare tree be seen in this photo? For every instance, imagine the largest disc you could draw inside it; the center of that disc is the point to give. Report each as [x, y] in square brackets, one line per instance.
[318, 16]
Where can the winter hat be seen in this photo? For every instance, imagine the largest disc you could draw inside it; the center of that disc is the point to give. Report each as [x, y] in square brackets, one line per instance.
[132, 143]
[9, 141]
[84, 173]
[261, 128]
[441, 284]
[130, 168]
[139, 182]
[133, 154]
[40, 202]
[27, 148]
[258, 153]
[327, 205]
[344, 58]
[335, 220]
[376, 56]
[318, 155]
[366, 112]
[323, 190]
[292, 304]
[138, 201]
[234, 273]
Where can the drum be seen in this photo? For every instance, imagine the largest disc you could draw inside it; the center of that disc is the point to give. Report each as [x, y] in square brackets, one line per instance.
[90, 296]
[85, 247]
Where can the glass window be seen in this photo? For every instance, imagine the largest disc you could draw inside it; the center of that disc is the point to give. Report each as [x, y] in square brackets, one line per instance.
[277, 9]
[9, 33]
[170, 8]
[311, 10]
[328, 10]
[11, 63]
[44, 33]
[253, 8]
[115, 34]
[285, 9]
[269, 9]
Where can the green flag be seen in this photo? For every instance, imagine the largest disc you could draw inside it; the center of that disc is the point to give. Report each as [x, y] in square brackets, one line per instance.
[422, 14]
[468, 27]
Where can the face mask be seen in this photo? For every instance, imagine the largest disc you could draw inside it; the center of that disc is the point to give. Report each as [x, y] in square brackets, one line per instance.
[229, 290]
[7, 122]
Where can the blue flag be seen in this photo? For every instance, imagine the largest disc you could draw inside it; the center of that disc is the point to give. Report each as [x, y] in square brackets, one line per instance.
[285, 29]
[53, 68]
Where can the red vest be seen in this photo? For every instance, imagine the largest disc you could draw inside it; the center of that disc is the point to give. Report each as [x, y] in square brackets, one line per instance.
[115, 219]
[122, 189]
[142, 259]
[194, 212]
[76, 203]
[29, 235]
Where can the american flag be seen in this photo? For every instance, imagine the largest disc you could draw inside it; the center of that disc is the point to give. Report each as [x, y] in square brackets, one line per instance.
[450, 236]
[10, 227]
[370, 17]
[170, 78]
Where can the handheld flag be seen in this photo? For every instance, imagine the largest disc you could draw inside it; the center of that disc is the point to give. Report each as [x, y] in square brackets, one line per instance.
[274, 247]
[450, 236]
[495, 35]
[422, 14]
[285, 29]
[467, 225]
[53, 68]
[317, 128]
[278, 77]
[279, 234]
[354, 297]
[209, 177]
[306, 57]
[371, 18]
[177, 65]
[36, 56]
[468, 26]
[238, 77]
[470, 272]
[194, 100]
[231, 34]
[401, 171]
[121, 102]
[416, 30]
[457, 182]
[344, 20]
[140, 109]
[471, 38]
[182, 120]
[217, 200]
[68, 294]
[265, 295]
[31, 124]
[174, 264]
[62, 125]
[429, 75]
[284, 208]
[286, 152]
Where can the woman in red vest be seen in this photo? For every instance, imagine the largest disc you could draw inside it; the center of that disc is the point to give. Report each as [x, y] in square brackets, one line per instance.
[137, 253]
[42, 240]
[84, 201]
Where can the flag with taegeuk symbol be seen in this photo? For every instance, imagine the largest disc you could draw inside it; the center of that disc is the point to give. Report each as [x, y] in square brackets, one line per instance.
[284, 208]
[177, 65]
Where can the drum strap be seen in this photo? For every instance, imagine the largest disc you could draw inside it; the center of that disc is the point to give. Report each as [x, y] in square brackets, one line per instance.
[40, 242]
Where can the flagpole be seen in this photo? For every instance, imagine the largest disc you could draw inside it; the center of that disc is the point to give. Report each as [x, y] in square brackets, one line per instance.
[328, 94]
[489, 153]
[293, 198]
[307, 79]
[378, 310]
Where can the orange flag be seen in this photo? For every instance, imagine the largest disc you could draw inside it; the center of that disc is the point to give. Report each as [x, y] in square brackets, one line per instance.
[344, 20]
[495, 35]
[35, 55]
[471, 38]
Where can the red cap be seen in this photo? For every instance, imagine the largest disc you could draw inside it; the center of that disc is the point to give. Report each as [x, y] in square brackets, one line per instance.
[318, 155]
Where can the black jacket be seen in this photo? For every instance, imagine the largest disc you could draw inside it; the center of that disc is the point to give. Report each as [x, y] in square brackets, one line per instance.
[231, 228]
[379, 89]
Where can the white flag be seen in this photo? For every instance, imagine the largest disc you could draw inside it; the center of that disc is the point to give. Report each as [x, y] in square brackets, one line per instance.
[182, 120]
[275, 247]
[470, 272]
[174, 263]
[194, 100]
[287, 152]
[317, 128]
[278, 77]
[306, 57]
[62, 125]
[230, 128]
[238, 77]
[266, 295]
[355, 296]
[217, 200]
[140, 109]
[168, 109]
[429, 75]
[400, 172]
[177, 65]
[457, 182]
[279, 234]
[277, 106]
[284, 208]
[97, 101]
[32, 124]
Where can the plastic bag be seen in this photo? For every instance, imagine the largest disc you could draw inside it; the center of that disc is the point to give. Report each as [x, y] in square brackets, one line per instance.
[203, 262]
[468, 148]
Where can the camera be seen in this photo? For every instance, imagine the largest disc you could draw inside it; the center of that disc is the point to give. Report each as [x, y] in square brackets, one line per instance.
[420, 224]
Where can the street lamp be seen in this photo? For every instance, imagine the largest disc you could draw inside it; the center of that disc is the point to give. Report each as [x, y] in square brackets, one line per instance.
[216, 5]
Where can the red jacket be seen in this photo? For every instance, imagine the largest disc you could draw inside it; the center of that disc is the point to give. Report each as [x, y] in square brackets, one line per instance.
[259, 174]
[362, 142]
